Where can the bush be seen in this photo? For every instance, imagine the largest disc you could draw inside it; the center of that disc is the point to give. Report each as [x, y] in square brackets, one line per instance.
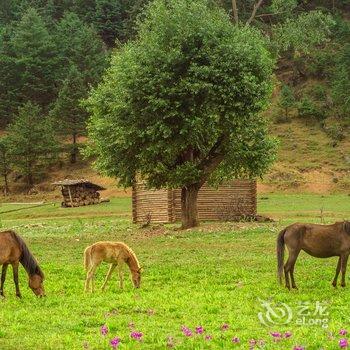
[309, 109]
[319, 92]
[320, 64]
[334, 130]
[281, 118]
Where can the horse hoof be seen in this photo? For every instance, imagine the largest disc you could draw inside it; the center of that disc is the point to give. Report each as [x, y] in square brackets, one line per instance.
[19, 296]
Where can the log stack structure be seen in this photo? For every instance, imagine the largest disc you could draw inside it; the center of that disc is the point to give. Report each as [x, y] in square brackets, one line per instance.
[232, 200]
[77, 193]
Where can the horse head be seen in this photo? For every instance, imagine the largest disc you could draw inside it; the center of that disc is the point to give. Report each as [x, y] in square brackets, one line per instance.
[36, 285]
[136, 277]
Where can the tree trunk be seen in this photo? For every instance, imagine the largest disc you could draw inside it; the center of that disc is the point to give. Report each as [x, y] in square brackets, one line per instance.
[73, 154]
[30, 181]
[6, 186]
[189, 212]
[234, 11]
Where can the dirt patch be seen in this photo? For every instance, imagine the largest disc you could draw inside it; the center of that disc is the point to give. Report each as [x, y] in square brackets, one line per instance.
[154, 231]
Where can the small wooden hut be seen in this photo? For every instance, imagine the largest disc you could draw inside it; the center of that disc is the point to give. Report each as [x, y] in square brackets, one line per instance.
[230, 201]
[77, 193]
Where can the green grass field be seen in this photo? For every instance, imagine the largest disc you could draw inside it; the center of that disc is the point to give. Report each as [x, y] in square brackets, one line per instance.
[213, 275]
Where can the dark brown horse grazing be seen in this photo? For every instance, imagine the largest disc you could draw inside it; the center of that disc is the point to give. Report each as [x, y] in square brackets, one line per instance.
[320, 241]
[13, 250]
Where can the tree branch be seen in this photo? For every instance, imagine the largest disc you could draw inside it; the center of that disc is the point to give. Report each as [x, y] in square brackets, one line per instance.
[270, 14]
[256, 7]
[213, 159]
[235, 11]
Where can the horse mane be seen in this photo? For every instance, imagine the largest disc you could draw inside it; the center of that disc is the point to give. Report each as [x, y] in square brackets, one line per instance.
[347, 227]
[132, 255]
[27, 259]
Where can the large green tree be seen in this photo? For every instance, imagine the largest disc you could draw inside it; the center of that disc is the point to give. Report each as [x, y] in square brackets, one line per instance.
[180, 105]
[32, 143]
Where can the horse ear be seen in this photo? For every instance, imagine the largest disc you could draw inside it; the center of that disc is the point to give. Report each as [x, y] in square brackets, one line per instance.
[347, 227]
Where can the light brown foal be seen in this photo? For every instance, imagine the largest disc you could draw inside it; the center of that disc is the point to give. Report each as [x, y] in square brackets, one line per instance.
[115, 253]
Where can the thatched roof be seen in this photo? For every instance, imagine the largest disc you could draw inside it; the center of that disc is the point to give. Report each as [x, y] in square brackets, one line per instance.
[78, 182]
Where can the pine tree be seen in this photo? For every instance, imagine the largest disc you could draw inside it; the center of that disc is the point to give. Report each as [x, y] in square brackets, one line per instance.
[8, 75]
[34, 55]
[27, 65]
[82, 58]
[32, 142]
[70, 117]
[5, 166]
[287, 100]
[80, 45]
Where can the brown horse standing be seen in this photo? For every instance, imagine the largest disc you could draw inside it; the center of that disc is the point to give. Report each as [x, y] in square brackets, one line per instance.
[320, 241]
[115, 253]
[13, 250]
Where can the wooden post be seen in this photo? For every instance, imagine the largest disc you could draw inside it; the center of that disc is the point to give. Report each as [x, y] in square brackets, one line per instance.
[70, 196]
[134, 203]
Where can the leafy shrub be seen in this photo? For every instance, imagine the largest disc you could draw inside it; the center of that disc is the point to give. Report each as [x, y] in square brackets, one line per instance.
[309, 109]
[286, 103]
[319, 92]
[334, 130]
[320, 63]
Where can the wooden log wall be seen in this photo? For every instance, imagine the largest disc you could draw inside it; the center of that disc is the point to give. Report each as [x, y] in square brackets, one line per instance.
[79, 195]
[229, 201]
[151, 205]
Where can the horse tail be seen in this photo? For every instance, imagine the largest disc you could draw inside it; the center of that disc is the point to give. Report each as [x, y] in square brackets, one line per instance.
[87, 258]
[27, 259]
[280, 254]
